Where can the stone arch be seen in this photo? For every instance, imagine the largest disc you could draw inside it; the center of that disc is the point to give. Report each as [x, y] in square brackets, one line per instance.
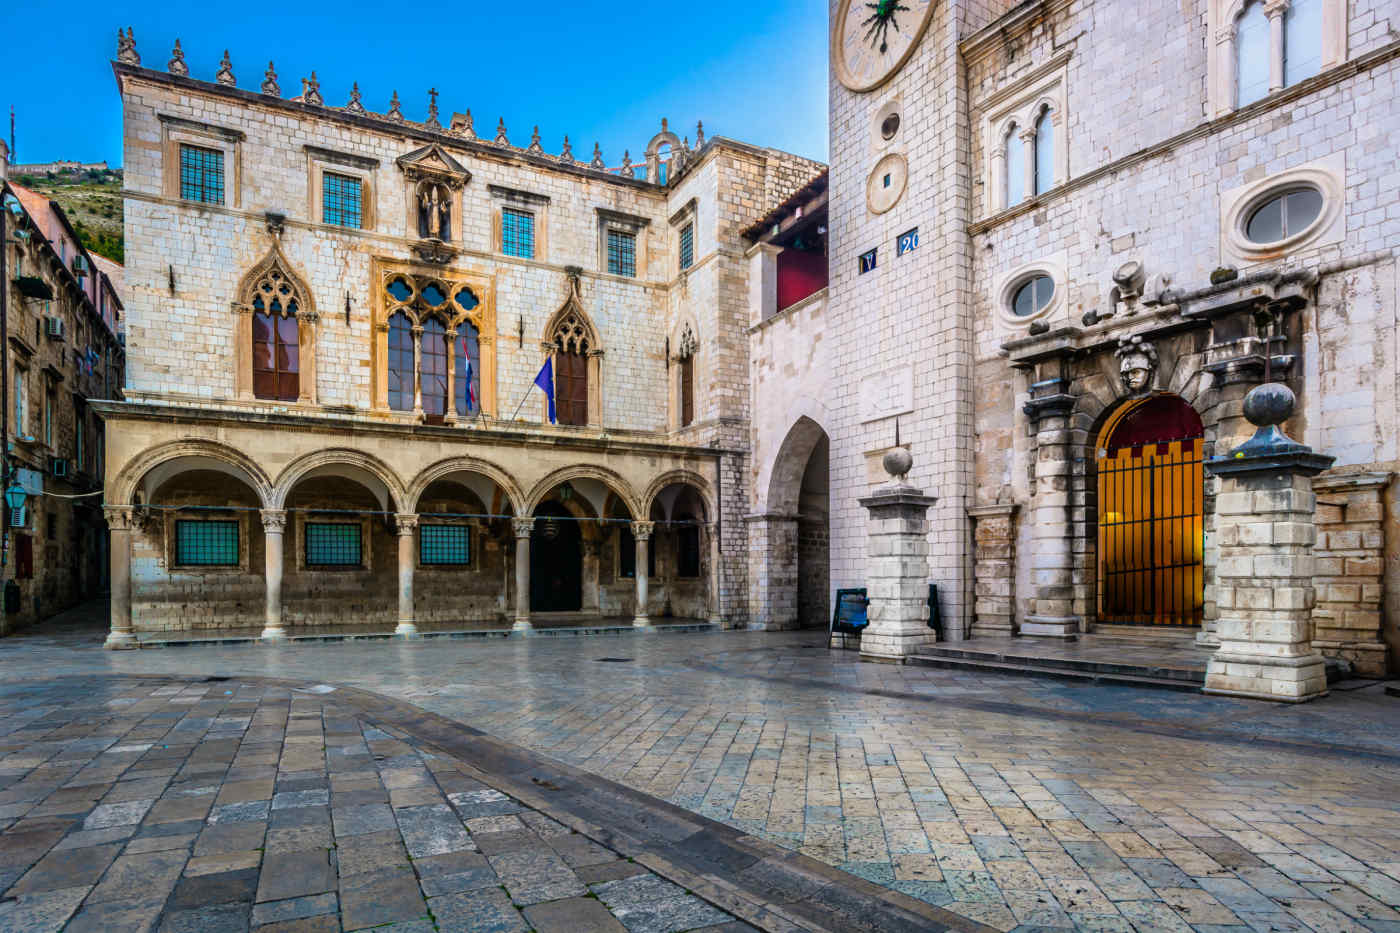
[612, 481]
[276, 262]
[653, 153]
[445, 468]
[684, 478]
[197, 454]
[393, 496]
[785, 474]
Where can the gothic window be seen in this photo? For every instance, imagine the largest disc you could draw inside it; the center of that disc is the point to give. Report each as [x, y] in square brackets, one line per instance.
[1044, 151]
[1252, 56]
[571, 348]
[276, 337]
[686, 374]
[400, 362]
[434, 211]
[1015, 167]
[1302, 40]
[432, 367]
[467, 367]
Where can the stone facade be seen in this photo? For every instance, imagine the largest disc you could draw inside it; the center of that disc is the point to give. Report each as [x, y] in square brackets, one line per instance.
[1137, 215]
[64, 356]
[655, 464]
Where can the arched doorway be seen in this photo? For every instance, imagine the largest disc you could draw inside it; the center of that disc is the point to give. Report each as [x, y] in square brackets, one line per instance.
[789, 583]
[1150, 514]
[556, 561]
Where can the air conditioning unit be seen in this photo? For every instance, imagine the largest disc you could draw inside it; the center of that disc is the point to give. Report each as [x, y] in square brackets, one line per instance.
[59, 467]
[53, 327]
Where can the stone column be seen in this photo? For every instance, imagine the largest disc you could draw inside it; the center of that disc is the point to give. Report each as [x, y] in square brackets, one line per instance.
[417, 332]
[1350, 563]
[716, 614]
[120, 519]
[1265, 514]
[641, 532]
[994, 569]
[406, 524]
[897, 566]
[274, 521]
[773, 570]
[763, 281]
[1274, 10]
[1052, 547]
[449, 412]
[522, 528]
[1027, 137]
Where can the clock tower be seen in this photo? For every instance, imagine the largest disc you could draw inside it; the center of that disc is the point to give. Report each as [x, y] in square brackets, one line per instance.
[899, 260]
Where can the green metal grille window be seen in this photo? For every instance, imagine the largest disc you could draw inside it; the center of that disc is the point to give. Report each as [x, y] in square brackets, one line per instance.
[332, 545]
[444, 545]
[687, 246]
[340, 200]
[201, 174]
[518, 233]
[201, 543]
[622, 253]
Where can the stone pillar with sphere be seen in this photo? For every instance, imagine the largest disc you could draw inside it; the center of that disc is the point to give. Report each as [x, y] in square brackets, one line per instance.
[897, 568]
[1264, 577]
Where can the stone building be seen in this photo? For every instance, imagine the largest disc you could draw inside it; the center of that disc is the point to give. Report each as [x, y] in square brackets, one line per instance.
[335, 319]
[1064, 244]
[64, 357]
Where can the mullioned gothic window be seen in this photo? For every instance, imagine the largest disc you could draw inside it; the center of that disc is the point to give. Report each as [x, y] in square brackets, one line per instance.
[1263, 46]
[573, 344]
[276, 340]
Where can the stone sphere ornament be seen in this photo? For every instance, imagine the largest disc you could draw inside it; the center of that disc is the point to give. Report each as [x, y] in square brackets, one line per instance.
[1269, 404]
[898, 462]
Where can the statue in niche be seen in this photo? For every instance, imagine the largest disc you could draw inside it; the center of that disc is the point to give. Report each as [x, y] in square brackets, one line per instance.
[434, 212]
[1137, 363]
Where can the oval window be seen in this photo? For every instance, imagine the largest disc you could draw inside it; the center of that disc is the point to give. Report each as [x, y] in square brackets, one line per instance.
[1033, 295]
[889, 126]
[1283, 215]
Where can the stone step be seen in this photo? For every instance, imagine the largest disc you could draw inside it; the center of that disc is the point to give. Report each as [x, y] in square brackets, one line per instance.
[1077, 665]
[1021, 668]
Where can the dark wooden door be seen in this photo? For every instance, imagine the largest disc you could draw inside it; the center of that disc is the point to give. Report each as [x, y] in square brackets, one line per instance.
[556, 562]
[571, 387]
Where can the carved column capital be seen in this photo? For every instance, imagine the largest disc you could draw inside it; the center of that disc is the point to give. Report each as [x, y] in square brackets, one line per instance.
[238, 307]
[642, 530]
[120, 517]
[405, 522]
[522, 526]
[308, 317]
[274, 521]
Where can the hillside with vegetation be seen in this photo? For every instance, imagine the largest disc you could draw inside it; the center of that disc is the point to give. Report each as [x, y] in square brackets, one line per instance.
[93, 203]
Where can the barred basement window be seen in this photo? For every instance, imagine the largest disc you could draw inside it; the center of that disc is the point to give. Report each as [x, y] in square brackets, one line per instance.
[444, 545]
[341, 200]
[622, 253]
[201, 174]
[687, 246]
[332, 544]
[202, 543]
[518, 233]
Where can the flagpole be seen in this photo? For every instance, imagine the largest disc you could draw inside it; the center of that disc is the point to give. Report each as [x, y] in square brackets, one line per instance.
[522, 401]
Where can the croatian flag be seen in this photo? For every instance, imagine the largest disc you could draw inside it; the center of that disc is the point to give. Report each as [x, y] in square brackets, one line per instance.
[545, 380]
[471, 393]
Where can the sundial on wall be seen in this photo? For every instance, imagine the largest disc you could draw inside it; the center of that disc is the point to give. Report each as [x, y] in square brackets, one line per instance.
[872, 39]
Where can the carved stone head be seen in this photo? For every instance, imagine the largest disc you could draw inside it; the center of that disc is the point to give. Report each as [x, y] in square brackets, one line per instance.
[1137, 363]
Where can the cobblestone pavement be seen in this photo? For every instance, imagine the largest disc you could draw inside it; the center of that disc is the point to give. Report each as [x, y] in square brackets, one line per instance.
[209, 807]
[1020, 803]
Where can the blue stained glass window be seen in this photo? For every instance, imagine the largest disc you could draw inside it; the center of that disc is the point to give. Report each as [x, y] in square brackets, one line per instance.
[518, 233]
[340, 200]
[433, 295]
[622, 253]
[444, 545]
[201, 174]
[332, 544]
[467, 299]
[400, 290]
[201, 543]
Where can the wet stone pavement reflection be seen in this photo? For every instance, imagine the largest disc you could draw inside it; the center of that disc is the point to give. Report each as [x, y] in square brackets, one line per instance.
[1015, 802]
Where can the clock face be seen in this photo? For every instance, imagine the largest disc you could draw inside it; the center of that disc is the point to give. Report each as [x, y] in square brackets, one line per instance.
[871, 39]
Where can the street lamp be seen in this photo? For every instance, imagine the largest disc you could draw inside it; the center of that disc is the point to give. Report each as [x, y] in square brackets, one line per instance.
[15, 497]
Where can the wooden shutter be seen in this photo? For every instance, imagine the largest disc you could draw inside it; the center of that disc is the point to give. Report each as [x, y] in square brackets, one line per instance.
[571, 388]
[687, 391]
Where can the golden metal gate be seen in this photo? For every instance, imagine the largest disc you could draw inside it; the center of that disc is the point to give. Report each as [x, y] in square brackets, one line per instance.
[1150, 544]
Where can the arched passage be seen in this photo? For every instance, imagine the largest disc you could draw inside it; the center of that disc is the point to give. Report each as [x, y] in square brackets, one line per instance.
[579, 513]
[790, 567]
[1150, 498]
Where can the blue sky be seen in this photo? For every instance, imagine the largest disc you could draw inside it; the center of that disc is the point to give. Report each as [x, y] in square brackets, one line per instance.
[595, 70]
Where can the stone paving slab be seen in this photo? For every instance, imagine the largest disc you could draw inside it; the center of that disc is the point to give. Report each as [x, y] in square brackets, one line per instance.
[278, 853]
